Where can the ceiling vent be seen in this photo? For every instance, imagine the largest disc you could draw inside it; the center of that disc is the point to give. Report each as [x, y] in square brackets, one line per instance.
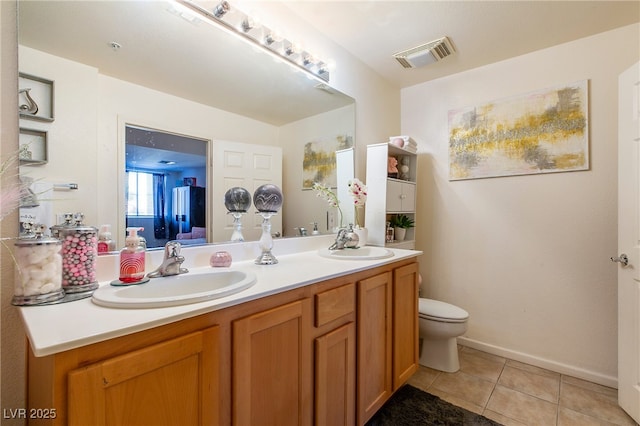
[425, 54]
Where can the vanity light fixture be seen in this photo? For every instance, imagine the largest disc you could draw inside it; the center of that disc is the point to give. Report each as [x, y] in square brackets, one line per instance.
[221, 9]
[245, 27]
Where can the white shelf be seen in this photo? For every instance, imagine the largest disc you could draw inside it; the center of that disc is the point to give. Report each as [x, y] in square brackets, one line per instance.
[389, 195]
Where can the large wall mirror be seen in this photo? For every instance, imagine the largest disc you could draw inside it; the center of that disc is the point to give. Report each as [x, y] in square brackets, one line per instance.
[120, 69]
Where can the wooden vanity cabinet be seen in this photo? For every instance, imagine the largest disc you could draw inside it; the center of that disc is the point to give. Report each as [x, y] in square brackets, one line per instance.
[286, 359]
[387, 336]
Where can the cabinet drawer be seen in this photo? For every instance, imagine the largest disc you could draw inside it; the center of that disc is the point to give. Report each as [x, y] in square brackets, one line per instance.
[332, 304]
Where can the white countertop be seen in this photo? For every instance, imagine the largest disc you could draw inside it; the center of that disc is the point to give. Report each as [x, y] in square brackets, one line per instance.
[56, 328]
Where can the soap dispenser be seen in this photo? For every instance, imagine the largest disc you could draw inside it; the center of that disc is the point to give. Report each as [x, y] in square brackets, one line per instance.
[132, 258]
[105, 243]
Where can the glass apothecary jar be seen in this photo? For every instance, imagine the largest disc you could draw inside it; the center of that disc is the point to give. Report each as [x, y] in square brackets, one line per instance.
[79, 256]
[39, 269]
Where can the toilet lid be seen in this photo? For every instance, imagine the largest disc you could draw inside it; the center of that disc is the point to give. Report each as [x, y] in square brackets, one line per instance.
[437, 309]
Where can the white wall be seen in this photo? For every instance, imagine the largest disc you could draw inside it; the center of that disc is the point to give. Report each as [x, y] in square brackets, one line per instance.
[527, 256]
[72, 144]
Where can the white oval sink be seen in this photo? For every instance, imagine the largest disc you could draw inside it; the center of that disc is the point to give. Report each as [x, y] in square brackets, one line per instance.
[175, 290]
[361, 253]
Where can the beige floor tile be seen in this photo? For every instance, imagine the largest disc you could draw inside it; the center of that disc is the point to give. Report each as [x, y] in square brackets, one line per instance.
[568, 417]
[452, 399]
[532, 369]
[485, 355]
[602, 406]
[488, 368]
[522, 407]
[590, 385]
[503, 420]
[423, 378]
[464, 386]
[524, 380]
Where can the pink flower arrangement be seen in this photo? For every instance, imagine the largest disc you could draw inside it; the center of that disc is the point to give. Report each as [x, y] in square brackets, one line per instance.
[358, 191]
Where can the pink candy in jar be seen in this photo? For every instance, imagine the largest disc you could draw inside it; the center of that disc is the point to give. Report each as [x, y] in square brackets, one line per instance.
[79, 257]
[220, 259]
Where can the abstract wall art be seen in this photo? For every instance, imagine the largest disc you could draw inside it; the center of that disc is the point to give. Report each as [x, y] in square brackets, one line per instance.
[545, 131]
[319, 161]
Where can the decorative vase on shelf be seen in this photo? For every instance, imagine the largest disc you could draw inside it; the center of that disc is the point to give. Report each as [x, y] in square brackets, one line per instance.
[400, 233]
[363, 234]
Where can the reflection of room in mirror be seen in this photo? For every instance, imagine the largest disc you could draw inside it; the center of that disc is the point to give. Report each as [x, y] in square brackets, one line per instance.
[161, 194]
[97, 87]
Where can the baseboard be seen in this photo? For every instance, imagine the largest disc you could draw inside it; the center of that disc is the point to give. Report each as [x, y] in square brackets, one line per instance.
[558, 367]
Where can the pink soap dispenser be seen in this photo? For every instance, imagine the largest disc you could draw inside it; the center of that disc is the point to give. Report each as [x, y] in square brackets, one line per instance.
[132, 258]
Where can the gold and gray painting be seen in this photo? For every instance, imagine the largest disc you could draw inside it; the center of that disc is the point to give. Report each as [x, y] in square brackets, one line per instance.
[540, 132]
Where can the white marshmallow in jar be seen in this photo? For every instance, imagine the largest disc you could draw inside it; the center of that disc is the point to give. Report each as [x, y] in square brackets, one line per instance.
[39, 267]
[79, 256]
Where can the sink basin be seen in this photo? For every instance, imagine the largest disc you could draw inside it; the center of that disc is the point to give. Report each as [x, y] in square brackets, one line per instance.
[175, 290]
[362, 253]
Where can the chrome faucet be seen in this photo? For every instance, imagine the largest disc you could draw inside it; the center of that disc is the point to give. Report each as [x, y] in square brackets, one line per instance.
[172, 263]
[346, 238]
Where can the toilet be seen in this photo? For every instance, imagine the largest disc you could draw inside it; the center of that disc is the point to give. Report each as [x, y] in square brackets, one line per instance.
[440, 323]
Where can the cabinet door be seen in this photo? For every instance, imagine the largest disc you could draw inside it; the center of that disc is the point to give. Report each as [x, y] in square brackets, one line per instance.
[170, 383]
[394, 196]
[401, 196]
[272, 367]
[374, 344]
[408, 197]
[405, 323]
[335, 377]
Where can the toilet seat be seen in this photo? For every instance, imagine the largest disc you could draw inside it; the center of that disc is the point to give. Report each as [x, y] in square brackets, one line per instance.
[436, 310]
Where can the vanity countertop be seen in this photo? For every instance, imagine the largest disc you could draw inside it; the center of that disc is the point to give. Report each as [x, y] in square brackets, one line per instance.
[60, 327]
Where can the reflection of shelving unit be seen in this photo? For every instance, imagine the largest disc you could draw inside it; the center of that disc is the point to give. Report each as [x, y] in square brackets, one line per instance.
[389, 195]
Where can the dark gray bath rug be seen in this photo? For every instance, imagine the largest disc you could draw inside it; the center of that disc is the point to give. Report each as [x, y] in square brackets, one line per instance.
[410, 406]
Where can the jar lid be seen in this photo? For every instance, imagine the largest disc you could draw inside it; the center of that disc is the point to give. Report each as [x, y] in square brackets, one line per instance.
[36, 238]
[74, 228]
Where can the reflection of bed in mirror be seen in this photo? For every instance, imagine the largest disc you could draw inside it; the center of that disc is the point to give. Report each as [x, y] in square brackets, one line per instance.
[99, 91]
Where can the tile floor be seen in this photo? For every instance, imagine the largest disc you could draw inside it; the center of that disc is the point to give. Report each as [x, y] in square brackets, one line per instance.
[516, 394]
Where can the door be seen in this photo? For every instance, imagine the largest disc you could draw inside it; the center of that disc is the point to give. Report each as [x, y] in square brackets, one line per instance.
[629, 241]
[401, 196]
[170, 383]
[374, 357]
[271, 368]
[247, 166]
[335, 364]
[405, 323]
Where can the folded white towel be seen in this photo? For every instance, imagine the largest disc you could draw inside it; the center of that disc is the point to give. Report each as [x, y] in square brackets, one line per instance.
[406, 139]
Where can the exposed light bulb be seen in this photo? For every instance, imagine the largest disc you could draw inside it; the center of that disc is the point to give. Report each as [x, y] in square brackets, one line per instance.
[221, 9]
